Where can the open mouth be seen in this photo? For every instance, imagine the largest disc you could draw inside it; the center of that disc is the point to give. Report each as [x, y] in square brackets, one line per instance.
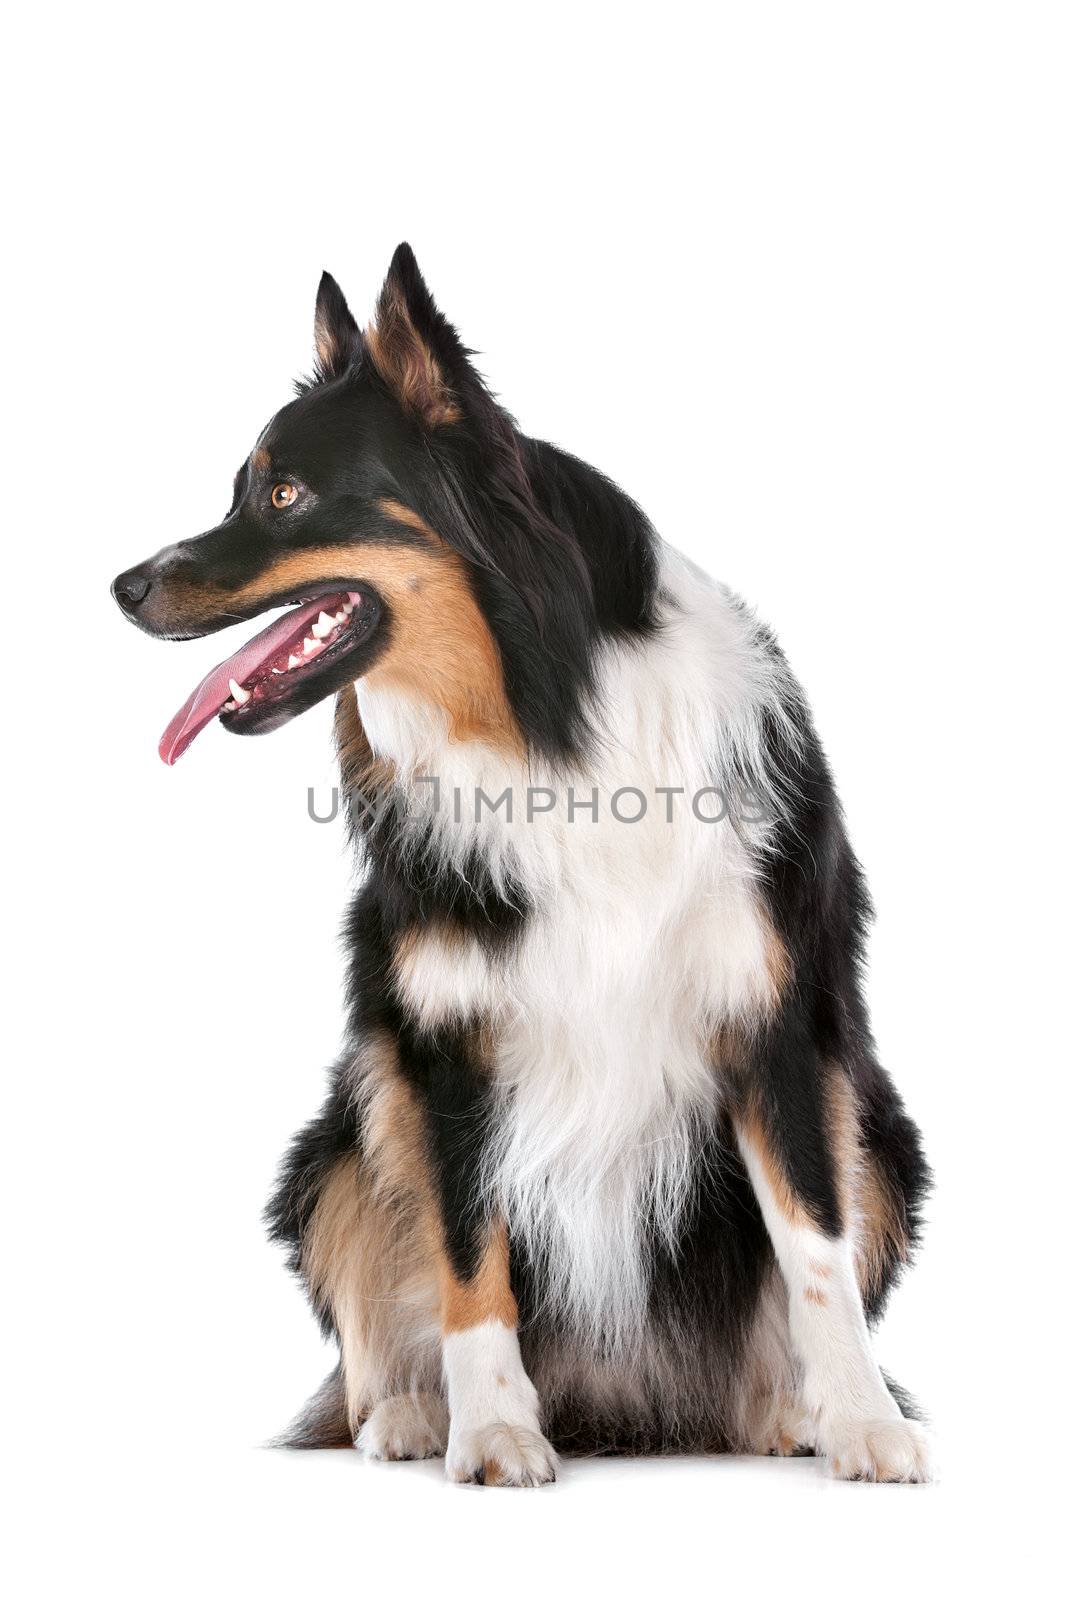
[251, 689]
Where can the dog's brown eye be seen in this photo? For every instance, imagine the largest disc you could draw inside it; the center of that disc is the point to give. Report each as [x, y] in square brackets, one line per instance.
[282, 495]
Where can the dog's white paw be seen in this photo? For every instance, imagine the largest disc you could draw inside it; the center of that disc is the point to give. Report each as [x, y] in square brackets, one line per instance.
[501, 1453]
[880, 1451]
[406, 1427]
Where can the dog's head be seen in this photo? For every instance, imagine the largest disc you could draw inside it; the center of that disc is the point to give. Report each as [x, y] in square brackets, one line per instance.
[393, 504]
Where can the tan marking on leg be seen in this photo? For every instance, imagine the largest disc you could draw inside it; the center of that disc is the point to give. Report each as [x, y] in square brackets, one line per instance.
[866, 1200]
[398, 1155]
[371, 1251]
[787, 1202]
[885, 1239]
[397, 1142]
[357, 1257]
[486, 1297]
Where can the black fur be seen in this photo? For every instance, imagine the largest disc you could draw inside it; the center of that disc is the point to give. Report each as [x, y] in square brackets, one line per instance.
[822, 910]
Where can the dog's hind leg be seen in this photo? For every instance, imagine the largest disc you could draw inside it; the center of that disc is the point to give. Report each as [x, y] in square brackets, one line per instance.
[365, 1256]
[405, 1427]
[353, 1205]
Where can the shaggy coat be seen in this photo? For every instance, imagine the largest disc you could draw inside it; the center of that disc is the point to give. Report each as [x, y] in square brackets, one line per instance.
[608, 1161]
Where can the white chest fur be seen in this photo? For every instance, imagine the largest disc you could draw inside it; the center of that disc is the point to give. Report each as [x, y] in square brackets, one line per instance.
[644, 937]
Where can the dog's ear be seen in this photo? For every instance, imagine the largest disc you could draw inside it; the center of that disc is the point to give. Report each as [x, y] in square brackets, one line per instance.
[337, 338]
[415, 349]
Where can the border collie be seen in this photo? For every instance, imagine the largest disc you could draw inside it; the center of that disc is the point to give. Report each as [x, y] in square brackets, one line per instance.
[608, 1162]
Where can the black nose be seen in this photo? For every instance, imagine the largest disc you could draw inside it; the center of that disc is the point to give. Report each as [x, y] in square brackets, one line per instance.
[130, 588]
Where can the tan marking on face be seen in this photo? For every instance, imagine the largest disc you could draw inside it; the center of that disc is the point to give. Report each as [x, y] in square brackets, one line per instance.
[411, 519]
[815, 1296]
[405, 363]
[260, 459]
[821, 1269]
[486, 1297]
[441, 649]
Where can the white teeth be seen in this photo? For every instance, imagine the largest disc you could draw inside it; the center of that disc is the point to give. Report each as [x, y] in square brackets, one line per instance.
[346, 609]
[340, 617]
[279, 672]
[229, 705]
[311, 646]
[294, 661]
[242, 696]
[324, 626]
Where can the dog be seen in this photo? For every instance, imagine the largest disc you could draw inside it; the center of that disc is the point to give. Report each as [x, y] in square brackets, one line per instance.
[608, 1163]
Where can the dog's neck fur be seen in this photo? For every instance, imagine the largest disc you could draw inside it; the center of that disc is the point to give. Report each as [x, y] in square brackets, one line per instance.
[689, 702]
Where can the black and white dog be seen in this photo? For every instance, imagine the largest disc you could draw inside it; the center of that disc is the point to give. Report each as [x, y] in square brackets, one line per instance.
[608, 1161]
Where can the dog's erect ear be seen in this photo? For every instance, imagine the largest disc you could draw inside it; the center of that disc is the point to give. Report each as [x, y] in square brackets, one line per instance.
[415, 349]
[337, 338]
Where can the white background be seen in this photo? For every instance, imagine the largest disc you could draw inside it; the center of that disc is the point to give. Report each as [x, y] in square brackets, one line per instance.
[795, 276]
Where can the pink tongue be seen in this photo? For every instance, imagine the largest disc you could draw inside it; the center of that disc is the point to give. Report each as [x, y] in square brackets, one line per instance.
[209, 697]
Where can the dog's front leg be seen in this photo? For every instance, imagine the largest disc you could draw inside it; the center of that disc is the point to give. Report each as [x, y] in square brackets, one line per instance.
[494, 1426]
[495, 1435]
[785, 1135]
